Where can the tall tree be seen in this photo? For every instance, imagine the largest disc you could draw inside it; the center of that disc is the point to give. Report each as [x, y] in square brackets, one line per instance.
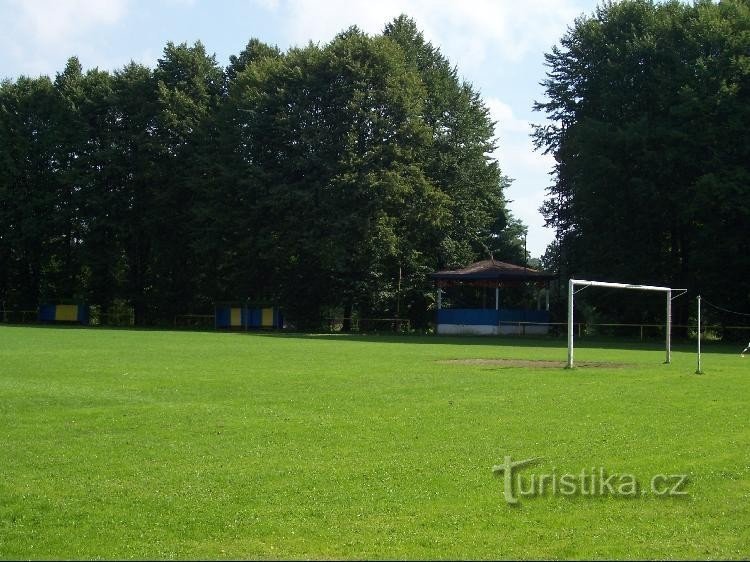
[458, 163]
[224, 208]
[459, 158]
[326, 177]
[135, 161]
[641, 97]
[334, 136]
[30, 141]
[189, 85]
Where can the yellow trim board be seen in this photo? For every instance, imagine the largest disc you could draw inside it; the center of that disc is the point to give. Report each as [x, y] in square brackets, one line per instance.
[66, 313]
[266, 320]
[236, 317]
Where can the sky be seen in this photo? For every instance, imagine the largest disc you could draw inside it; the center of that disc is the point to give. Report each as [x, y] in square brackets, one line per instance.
[497, 45]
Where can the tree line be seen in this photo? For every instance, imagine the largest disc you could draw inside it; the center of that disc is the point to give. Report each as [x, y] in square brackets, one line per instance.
[649, 110]
[324, 179]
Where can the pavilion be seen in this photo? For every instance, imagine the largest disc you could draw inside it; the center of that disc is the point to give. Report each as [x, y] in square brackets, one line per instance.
[499, 275]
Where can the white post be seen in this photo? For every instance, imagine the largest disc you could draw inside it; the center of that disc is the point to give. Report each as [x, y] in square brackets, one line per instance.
[570, 324]
[497, 298]
[699, 371]
[440, 298]
[669, 327]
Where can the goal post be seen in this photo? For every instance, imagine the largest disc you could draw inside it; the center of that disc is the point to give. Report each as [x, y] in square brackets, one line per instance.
[572, 283]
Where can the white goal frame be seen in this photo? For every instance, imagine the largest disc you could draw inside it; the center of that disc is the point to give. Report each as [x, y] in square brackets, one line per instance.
[585, 284]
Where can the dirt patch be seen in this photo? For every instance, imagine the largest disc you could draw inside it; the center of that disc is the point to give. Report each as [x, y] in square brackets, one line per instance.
[536, 363]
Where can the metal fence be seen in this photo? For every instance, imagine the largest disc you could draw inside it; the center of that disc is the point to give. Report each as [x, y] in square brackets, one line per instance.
[194, 321]
[641, 332]
[20, 316]
[124, 318]
[363, 325]
[636, 331]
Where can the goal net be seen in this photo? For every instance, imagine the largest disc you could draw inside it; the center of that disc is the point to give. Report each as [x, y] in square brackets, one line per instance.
[583, 284]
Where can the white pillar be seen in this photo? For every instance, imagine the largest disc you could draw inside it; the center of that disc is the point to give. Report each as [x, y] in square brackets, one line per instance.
[497, 298]
[669, 327]
[440, 298]
[699, 371]
[570, 324]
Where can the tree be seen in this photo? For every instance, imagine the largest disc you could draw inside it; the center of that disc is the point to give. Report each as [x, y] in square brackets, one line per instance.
[135, 161]
[333, 137]
[188, 92]
[640, 98]
[326, 178]
[30, 227]
[94, 175]
[458, 164]
[254, 51]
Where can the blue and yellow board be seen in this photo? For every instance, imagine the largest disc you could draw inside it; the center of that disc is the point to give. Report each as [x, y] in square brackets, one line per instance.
[235, 317]
[64, 313]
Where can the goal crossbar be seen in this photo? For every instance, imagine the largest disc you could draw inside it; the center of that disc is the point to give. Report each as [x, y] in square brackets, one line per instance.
[572, 283]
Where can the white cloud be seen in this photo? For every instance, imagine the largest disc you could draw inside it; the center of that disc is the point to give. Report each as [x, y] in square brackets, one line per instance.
[53, 21]
[530, 170]
[41, 34]
[470, 32]
[516, 149]
[503, 116]
[267, 4]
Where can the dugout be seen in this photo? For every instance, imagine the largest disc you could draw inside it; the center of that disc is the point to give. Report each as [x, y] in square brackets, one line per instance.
[64, 313]
[489, 275]
[229, 316]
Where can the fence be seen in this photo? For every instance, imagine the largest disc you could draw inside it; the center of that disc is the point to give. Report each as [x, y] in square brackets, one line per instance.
[20, 316]
[636, 331]
[402, 325]
[195, 321]
[124, 318]
[395, 325]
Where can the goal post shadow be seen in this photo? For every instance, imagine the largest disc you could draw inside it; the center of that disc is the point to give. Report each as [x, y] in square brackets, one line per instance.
[584, 284]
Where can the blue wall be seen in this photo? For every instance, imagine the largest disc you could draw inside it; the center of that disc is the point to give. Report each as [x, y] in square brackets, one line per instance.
[489, 316]
[223, 316]
[47, 312]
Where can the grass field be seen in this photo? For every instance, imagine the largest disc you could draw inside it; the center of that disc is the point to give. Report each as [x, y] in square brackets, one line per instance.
[149, 444]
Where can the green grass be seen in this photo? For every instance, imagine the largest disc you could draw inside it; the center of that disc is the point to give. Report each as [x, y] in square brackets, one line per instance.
[148, 444]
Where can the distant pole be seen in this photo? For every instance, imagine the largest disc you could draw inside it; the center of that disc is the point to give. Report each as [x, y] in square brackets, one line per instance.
[570, 324]
[525, 254]
[669, 327]
[699, 371]
[398, 294]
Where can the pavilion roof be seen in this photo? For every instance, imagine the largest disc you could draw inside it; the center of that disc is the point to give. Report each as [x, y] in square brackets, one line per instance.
[492, 270]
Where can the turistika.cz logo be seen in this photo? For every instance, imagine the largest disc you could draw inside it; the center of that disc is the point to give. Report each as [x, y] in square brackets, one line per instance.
[595, 481]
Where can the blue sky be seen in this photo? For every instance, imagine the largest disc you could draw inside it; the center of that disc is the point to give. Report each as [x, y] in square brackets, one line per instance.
[498, 46]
